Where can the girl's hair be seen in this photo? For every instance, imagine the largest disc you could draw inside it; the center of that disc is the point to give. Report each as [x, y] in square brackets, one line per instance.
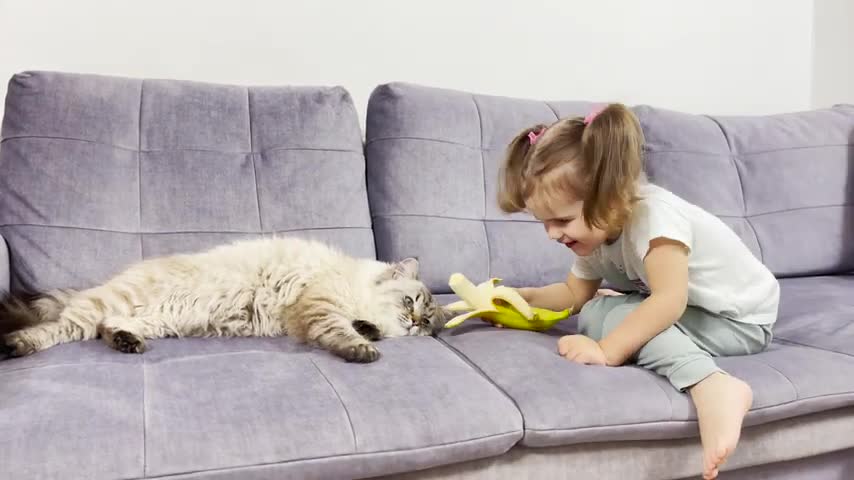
[597, 160]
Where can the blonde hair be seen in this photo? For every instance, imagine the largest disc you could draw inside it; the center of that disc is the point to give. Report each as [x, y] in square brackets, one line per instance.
[598, 162]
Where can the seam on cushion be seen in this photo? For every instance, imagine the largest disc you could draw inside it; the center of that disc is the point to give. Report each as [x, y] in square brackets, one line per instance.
[252, 158]
[756, 215]
[306, 459]
[144, 424]
[483, 374]
[732, 158]
[483, 179]
[772, 367]
[447, 217]
[554, 111]
[183, 149]
[748, 154]
[804, 147]
[795, 209]
[423, 139]
[669, 400]
[341, 401]
[139, 172]
[55, 365]
[663, 422]
[812, 347]
[651, 151]
[182, 232]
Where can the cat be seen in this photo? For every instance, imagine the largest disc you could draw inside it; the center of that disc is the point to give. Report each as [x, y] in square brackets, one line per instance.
[266, 287]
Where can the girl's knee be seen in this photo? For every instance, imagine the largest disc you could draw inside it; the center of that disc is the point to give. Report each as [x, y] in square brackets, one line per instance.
[591, 317]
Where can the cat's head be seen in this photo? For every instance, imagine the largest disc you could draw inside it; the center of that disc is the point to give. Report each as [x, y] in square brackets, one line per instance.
[417, 311]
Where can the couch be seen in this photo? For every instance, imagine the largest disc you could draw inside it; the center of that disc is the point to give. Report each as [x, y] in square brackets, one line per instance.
[97, 172]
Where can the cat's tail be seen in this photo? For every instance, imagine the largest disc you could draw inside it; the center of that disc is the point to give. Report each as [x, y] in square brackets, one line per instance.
[19, 311]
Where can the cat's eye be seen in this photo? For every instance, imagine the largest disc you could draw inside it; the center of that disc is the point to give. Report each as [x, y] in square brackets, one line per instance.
[407, 302]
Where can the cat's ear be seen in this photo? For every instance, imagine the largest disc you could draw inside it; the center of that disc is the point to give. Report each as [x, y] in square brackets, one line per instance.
[406, 268]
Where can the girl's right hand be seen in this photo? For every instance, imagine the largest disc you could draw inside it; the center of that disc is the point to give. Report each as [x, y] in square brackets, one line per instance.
[526, 293]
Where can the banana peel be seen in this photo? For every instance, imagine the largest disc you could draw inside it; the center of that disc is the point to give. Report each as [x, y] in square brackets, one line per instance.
[498, 304]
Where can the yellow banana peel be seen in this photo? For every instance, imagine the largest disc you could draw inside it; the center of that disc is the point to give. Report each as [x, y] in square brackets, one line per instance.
[498, 304]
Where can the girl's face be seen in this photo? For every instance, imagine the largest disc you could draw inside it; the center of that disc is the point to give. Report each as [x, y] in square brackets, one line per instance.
[565, 224]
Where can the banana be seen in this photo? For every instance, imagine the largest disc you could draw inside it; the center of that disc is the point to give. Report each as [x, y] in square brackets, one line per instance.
[498, 304]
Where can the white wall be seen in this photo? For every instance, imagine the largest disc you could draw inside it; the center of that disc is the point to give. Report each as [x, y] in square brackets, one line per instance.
[710, 56]
[833, 53]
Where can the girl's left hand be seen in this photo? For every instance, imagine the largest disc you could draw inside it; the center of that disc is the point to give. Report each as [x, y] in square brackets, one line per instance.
[581, 349]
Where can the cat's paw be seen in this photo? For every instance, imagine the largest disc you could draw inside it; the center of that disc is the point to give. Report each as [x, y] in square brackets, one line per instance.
[16, 345]
[363, 353]
[127, 342]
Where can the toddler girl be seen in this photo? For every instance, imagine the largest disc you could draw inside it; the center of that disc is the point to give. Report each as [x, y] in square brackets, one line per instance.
[695, 290]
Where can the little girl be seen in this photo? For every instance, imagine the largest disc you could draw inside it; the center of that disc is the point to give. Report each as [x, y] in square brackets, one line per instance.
[696, 291]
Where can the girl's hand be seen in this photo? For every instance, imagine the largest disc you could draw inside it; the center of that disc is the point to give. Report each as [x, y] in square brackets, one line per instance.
[581, 349]
[525, 293]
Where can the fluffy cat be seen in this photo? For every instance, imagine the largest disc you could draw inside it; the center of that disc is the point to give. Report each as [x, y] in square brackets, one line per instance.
[266, 287]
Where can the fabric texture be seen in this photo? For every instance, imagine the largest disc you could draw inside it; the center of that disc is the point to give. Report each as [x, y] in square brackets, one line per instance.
[683, 352]
[818, 312]
[4, 266]
[566, 403]
[724, 277]
[433, 158]
[793, 449]
[246, 408]
[99, 172]
[780, 181]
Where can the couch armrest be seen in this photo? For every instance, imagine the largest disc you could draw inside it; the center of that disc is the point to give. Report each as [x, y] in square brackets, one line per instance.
[4, 266]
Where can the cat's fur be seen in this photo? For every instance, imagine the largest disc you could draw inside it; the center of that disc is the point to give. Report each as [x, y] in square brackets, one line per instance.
[267, 287]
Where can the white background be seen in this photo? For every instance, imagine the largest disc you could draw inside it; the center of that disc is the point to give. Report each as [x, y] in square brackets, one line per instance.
[703, 56]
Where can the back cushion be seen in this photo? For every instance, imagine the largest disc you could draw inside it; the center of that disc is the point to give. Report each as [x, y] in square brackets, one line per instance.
[784, 183]
[98, 172]
[433, 158]
[781, 182]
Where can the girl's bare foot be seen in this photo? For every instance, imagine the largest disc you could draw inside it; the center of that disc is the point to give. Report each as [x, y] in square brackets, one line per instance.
[722, 402]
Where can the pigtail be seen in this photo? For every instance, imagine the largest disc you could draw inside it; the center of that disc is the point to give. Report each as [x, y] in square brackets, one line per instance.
[612, 148]
[511, 183]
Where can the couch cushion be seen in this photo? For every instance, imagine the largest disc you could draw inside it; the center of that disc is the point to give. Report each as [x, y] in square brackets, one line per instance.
[817, 312]
[4, 266]
[565, 403]
[780, 181]
[101, 171]
[433, 157]
[242, 407]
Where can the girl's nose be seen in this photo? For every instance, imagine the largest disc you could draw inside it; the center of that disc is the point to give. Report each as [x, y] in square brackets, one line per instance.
[553, 232]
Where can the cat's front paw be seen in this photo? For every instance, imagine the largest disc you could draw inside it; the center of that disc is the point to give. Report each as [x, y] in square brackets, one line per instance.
[17, 345]
[363, 353]
[127, 342]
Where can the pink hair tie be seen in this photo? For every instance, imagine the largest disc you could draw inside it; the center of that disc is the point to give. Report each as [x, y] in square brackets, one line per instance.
[533, 136]
[592, 115]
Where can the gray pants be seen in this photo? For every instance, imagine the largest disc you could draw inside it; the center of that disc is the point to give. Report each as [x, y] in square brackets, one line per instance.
[682, 353]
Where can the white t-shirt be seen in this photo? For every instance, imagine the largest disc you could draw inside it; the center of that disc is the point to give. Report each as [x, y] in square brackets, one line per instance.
[724, 277]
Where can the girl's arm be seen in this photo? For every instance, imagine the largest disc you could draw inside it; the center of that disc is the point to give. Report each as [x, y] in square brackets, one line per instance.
[573, 293]
[666, 266]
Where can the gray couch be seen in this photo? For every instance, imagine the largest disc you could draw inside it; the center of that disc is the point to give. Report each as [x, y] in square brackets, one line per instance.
[97, 172]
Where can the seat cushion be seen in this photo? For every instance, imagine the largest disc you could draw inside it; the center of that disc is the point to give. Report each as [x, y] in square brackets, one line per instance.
[565, 403]
[240, 408]
[818, 312]
[99, 172]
